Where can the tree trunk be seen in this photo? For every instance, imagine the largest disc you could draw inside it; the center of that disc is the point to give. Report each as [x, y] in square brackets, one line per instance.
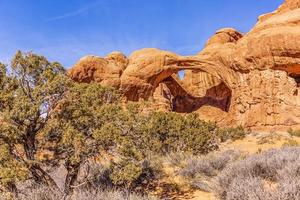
[12, 188]
[72, 174]
[29, 146]
[39, 175]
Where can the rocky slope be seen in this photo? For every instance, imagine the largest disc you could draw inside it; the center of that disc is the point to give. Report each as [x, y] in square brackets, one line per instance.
[251, 79]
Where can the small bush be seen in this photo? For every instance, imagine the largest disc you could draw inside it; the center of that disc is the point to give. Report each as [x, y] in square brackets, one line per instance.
[46, 193]
[94, 175]
[108, 195]
[171, 132]
[177, 159]
[132, 137]
[233, 134]
[132, 174]
[295, 133]
[40, 193]
[271, 175]
[270, 138]
[200, 169]
[250, 189]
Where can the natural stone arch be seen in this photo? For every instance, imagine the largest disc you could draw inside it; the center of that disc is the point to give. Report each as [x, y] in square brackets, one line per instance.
[203, 63]
[172, 95]
[149, 67]
[261, 68]
[207, 90]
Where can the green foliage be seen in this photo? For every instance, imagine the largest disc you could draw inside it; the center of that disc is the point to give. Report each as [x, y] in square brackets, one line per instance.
[236, 133]
[132, 174]
[132, 137]
[173, 132]
[160, 132]
[84, 109]
[125, 172]
[28, 95]
[11, 170]
[71, 132]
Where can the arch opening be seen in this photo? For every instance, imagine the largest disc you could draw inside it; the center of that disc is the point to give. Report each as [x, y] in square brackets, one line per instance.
[182, 100]
[297, 79]
[181, 74]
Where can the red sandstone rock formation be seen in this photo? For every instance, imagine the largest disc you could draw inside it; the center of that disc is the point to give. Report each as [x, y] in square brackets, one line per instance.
[250, 79]
[106, 71]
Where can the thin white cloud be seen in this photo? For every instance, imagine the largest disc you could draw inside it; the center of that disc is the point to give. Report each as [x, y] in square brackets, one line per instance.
[75, 12]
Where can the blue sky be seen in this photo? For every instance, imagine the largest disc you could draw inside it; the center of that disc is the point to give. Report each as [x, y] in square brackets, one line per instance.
[65, 30]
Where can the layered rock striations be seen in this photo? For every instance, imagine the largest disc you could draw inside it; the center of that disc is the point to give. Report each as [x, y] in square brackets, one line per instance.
[251, 80]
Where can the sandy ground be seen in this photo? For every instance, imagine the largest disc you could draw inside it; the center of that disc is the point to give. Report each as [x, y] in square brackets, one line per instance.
[257, 142]
[199, 195]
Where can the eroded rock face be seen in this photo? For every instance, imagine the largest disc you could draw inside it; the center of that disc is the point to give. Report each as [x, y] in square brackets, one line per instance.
[106, 71]
[251, 80]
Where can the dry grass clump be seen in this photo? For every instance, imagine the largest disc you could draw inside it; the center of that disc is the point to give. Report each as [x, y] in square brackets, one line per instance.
[199, 170]
[110, 195]
[270, 138]
[291, 143]
[272, 175]
[233, 133]
[46, 193]
[40, 193]
[93, 183]
[177, 159]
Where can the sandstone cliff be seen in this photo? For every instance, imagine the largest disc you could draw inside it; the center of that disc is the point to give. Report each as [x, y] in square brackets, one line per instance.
[251, 79]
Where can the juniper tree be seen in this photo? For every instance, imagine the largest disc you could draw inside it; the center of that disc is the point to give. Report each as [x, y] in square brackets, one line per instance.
[30, 88]
[84, 109]
[43, 111]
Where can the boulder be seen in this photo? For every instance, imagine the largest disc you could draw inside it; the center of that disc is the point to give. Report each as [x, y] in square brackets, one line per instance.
[106, 71]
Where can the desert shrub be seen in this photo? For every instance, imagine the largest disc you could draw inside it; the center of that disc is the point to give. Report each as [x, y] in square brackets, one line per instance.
[290, 143]
[46, 193]
[94, 175]
[200, 169]
[270, 138]
[177, 159]
[271, 175]
[175, 132]
[295, 133]
[132, 137]
[157, 132]
[288, 189]
[233, 133]
[109, 195]
[40, 193]
[250, 189]
[132, 174]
